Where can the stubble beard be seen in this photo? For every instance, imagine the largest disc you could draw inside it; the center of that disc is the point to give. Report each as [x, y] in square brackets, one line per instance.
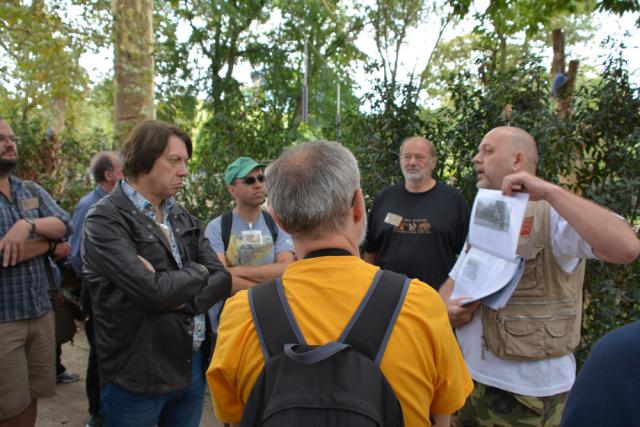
[415, 177]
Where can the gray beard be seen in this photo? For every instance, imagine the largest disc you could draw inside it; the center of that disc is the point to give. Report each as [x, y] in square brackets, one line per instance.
[7, 166]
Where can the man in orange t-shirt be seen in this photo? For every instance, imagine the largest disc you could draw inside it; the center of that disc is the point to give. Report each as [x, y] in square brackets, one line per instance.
[315, 196]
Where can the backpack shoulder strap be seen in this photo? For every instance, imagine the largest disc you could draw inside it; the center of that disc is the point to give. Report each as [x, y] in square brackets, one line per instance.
[272, 318]
[225, 228]
[369, 329]
[271, 223]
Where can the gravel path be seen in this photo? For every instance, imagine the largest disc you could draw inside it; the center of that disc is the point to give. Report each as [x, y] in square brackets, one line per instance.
[69, 406]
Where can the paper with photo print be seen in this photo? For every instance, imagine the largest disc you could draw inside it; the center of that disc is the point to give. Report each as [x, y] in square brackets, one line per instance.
[488, 278]
[489, 267]
[496, 221]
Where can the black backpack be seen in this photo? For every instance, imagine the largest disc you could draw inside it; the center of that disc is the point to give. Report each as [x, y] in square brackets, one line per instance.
[337, 384]
[227, 221]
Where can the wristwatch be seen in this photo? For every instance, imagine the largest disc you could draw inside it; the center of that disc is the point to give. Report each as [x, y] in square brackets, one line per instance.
[31, 222]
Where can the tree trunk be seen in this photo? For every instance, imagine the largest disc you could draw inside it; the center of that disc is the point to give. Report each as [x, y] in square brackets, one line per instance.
[557, 64]
[58, 110]
[133, 29]
[564, 99]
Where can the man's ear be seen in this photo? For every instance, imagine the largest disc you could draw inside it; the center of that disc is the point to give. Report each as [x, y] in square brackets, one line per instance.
[232, 191]
[433, 161]
[519, 161]
[359, 210]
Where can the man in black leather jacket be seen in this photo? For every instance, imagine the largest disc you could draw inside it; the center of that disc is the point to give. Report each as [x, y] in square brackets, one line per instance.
[152, 276]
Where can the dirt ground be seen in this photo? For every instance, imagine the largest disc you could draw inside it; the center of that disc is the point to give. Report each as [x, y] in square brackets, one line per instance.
[69, 406]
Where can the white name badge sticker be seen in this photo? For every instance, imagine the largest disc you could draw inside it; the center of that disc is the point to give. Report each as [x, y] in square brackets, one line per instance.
[28, 204]
[393, 219]
[251, 237]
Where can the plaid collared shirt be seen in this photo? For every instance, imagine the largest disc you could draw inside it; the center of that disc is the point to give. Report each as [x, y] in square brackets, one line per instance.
[24, 288]
[145, 206]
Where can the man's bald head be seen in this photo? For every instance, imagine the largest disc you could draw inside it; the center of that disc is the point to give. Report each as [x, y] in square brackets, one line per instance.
[504, 150]
[518, 140]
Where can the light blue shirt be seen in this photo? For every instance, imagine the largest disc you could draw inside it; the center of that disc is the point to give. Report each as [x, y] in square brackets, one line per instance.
[254, 249]
[77, 223]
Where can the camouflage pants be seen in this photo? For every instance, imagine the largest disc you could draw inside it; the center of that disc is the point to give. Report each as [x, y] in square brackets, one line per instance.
[491, 407]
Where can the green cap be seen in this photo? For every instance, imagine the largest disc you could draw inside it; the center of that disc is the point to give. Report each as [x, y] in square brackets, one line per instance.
[240, 168]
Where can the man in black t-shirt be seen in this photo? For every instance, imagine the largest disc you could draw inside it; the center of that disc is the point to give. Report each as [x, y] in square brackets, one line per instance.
[417, 227]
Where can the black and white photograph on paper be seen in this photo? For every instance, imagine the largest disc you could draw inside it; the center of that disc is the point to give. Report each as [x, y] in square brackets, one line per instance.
[494, 214]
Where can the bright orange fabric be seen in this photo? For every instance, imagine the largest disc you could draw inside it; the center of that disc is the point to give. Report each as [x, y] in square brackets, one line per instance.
[422, 361]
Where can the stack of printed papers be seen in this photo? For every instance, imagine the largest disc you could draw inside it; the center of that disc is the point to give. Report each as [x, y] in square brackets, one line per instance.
[490, 269]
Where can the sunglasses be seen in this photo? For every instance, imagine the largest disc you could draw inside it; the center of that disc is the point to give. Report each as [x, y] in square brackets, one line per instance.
[252, 179]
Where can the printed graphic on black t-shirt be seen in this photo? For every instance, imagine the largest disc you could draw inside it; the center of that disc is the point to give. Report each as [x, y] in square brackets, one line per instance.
[414, 226]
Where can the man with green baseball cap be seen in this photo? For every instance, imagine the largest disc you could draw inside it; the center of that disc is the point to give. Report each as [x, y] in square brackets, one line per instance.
[246, 239]
[240, 168]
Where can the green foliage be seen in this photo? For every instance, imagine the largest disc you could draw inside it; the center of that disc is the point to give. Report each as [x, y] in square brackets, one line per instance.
[619, 6]
[509, 17]
[58, 164]
[41, 52]
[238, 130]
[375, 137]
[478, 107]
[607, 129]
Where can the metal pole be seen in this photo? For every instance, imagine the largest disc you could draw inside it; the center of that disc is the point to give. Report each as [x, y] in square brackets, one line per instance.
[338, 111]
[305, 89]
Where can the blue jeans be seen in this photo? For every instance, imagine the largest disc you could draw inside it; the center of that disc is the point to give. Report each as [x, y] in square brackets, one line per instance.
[180, 408]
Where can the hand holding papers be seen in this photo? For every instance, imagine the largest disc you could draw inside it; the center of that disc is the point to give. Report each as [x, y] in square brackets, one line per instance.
[490, 269]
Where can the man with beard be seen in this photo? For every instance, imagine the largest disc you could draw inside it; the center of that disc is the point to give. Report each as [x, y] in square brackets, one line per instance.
[246, 239]
[521, 356]
[30, 222]
[417, 227]
[151, 276]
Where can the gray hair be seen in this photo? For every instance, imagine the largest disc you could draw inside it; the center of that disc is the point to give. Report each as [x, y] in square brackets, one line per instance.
[311, 187]
[103, 162]
[430, 146]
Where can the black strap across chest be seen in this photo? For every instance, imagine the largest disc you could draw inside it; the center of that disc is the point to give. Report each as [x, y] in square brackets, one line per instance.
[226, 223]
[368, 330]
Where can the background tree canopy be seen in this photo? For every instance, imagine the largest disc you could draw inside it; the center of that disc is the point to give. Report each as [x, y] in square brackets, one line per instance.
[232, 74]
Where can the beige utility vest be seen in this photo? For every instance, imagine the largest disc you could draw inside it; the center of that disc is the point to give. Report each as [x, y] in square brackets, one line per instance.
[543, 317]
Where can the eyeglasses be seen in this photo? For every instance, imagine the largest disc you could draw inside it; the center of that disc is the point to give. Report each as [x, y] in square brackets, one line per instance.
[252, 179]
[9, 138]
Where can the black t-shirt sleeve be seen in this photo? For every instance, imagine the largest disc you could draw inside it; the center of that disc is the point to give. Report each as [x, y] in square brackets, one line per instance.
[463, 223]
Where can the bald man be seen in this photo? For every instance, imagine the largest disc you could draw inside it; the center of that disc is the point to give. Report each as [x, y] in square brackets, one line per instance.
[521, 357]
[417, 227]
